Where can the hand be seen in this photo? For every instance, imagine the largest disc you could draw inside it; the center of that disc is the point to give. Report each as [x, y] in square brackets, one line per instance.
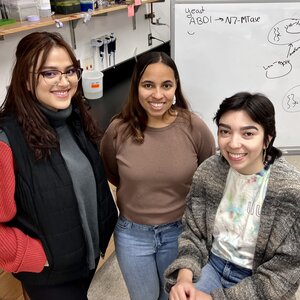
[46, 264]
[202, 296]
[183, 290]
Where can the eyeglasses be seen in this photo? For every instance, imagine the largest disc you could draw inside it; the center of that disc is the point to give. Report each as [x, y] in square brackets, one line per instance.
[53, 77]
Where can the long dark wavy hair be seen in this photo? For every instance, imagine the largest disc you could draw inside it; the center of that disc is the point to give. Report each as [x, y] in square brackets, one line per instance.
[261, 110]
[133, 114]
[31, 54]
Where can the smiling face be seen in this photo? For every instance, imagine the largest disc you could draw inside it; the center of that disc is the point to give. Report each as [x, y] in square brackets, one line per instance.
[156, 91]
[59, 96]
[241, 142]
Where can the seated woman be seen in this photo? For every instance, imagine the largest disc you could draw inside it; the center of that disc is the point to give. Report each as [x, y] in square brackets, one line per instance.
[241, 235]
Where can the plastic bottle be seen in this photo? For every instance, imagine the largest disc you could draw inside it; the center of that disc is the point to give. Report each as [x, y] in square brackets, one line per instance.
[44, 7]
[85, 5]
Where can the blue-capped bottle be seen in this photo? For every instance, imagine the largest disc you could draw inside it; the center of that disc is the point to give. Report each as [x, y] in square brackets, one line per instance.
[85, 5]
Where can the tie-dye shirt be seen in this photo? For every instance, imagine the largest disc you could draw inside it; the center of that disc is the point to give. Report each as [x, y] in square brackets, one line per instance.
[238, 217]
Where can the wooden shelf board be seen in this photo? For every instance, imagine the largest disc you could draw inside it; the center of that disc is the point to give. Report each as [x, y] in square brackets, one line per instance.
[48, 21]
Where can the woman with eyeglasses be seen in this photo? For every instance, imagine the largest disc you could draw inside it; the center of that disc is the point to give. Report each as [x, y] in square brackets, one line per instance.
[56, 210]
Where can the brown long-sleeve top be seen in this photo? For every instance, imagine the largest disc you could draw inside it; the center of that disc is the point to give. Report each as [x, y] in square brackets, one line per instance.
[153, 178]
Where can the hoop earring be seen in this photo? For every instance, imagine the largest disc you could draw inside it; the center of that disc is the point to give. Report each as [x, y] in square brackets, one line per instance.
[174, 100]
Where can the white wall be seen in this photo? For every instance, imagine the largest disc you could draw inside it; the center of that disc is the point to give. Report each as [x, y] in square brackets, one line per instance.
[129, 41]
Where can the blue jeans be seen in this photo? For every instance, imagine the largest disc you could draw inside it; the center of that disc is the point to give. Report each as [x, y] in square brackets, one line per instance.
[143, 253]
[220, 273]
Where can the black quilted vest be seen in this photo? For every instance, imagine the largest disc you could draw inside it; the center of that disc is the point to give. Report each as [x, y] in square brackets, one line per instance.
[47, 207]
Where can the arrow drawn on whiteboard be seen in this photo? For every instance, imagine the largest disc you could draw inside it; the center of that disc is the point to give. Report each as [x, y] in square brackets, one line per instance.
[292, 49]
[220, 19]
[291, 101]
[191, 33]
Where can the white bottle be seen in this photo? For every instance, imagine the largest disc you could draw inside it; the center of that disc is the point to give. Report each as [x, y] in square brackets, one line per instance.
[44, 7]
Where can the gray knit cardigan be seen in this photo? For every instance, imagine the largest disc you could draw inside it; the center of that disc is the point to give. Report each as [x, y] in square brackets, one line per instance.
[276, 266]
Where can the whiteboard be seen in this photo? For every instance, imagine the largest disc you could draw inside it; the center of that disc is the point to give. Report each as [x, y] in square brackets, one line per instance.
[224, 47]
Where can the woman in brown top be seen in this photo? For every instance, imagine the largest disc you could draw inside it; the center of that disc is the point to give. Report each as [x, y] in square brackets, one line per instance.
[151, 151]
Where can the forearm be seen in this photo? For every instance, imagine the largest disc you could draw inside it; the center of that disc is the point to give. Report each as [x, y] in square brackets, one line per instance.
[19, 252]
[187, 265]
[7, 184]
[185, 275]
[192, 251]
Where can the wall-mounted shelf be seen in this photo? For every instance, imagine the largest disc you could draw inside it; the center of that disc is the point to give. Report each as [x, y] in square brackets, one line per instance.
[47, 21]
